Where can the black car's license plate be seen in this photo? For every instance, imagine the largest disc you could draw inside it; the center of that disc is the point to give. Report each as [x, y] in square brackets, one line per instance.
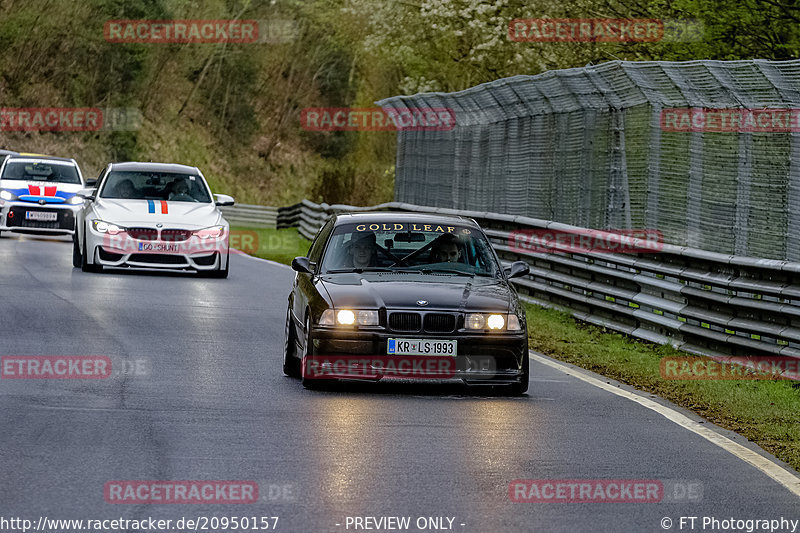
[421, 347]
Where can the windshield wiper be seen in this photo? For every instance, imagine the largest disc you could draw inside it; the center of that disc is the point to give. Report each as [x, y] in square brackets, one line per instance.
[447, 271]
[359, 270]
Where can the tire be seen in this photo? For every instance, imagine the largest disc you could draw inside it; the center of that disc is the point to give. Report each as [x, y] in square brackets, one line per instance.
[219, 273]
[291, 364]
[77, 258]
[307, 350]
[85, 266]
[518, 389]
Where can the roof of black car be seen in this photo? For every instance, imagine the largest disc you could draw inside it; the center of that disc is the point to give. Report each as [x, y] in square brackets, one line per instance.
[136, 166]
[377, 217]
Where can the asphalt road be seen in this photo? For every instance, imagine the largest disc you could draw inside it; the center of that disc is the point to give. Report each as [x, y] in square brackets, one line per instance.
[203, 397]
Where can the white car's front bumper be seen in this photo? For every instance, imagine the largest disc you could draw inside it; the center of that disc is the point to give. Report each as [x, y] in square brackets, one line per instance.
[123, 250]
[14, 216]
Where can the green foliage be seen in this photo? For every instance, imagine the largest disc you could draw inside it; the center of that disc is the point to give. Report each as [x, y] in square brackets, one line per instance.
[234, 108]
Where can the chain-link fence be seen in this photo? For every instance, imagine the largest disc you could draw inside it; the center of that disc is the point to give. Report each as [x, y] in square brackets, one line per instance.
[623, 145]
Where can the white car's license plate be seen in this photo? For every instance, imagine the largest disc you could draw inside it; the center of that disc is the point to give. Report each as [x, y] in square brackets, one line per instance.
[157, 247]
[42, 216]
[421, 347]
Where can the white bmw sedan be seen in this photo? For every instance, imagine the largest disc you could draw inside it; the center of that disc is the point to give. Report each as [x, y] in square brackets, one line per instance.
[152, 215]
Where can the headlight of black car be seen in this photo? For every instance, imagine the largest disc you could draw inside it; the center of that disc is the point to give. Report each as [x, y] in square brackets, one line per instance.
[492, 322]
[349, 317]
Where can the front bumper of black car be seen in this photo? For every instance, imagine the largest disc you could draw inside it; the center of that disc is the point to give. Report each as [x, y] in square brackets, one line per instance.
[481, 358]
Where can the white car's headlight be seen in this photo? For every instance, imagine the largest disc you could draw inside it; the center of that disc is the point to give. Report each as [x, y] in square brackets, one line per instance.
[492, 321]
[348, 317]
[6, 195]
[214, 232]
[101, 226]
[75, 200]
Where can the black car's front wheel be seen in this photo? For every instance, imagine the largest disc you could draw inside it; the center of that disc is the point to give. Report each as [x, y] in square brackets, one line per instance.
[291, 364]
[309, 383]
[518, 389]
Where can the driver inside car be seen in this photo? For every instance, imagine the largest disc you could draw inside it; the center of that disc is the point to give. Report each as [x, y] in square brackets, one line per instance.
[180, 192]
[362, 250]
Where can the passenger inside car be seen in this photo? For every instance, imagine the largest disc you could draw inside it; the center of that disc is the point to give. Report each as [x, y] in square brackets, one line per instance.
[126, 189]
[446, 249]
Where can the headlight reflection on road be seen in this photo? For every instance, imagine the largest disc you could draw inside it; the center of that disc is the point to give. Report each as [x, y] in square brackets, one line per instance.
[343, 451]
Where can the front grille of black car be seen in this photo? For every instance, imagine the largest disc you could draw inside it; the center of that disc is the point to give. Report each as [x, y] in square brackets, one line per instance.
[143, 234]
[175, 235]
[16, 218]
[440, 323]
[405, 321]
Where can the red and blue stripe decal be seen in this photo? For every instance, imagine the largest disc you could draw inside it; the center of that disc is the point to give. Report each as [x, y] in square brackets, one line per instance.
[151, 207]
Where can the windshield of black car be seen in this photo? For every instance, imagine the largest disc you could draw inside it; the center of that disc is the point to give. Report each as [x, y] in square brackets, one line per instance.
[49, 171]
[174, 187]
[409, 247]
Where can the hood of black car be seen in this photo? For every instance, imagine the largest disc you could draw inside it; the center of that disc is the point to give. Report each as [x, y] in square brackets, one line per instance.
[403, 291]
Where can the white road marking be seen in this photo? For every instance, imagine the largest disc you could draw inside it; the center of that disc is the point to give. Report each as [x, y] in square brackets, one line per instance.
[778, 473]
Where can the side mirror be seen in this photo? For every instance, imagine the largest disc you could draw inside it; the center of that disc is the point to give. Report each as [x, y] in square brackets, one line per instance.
[91, 182]
[517, 269]
[302, 264]
[87, 193]
[223, 200]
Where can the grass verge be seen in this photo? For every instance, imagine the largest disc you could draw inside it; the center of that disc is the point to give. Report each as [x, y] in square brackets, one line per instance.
[280, 245]
[766, 411]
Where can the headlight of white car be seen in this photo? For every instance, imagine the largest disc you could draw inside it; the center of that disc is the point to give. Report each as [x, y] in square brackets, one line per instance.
[6, 195]
[101, 226]
[214, 232]
[75, 200]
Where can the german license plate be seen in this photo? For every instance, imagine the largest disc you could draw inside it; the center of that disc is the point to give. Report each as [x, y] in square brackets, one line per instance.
[157, 247]
[42, 216]
[421, 347]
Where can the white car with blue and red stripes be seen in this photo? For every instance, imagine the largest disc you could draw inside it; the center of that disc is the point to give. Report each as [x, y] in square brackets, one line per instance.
[38, 194]
[152, 215]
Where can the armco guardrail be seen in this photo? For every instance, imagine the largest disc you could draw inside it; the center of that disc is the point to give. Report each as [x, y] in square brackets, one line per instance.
[698, 301]
[257, 216]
